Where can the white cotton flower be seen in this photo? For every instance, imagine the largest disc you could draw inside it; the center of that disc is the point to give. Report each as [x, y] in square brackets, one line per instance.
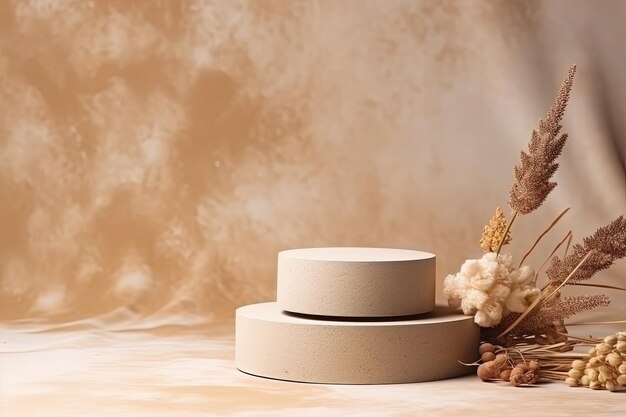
[490, 315]
[523, 276]
[482, 319]
[473, 300]
[455, 288]
[489, 266]
[471, 267]
[483, 282]
[521, 298]
[491, 287]
[500, 292]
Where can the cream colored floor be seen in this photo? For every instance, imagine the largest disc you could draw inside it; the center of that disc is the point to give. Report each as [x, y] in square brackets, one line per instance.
[74, 371]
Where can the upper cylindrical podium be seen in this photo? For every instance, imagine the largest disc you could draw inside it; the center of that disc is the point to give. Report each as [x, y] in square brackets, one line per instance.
[356, 282]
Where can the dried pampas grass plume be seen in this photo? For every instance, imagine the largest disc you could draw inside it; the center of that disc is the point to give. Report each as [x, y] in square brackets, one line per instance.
[532, 176]
[542, 321]
[604, 247]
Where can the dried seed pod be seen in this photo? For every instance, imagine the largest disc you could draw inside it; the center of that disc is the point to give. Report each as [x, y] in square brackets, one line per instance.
[621, 346]
[501, 359]
[621, 336]
[592, 351]
[595, 361]
[603, 348]
[572, 382]
[488, 356]
[622, 369]
[487, 371]
[605, 371]
[578, 364]
[486, 347]
[621, 380]
[585, 380]
[505, 375]
[595, 385]
[610, 386]
[517, 376]
[522, 374]
[575, 373]
[532, 377]
[610, 340]
[614, 359]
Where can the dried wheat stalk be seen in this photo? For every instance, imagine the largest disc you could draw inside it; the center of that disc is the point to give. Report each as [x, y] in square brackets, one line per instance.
[495, 233]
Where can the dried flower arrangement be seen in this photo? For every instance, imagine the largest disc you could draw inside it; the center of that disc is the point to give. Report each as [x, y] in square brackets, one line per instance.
[524, 334]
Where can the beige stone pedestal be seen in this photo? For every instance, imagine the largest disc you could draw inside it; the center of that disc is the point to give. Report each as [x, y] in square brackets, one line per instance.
[354, 316]
[275, 344]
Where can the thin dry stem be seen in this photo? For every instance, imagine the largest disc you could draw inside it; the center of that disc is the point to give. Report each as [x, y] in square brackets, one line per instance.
[545, 232]
[506, 233]
[580, 339]
[569, 242]
[585, 323]
[610, 287]
[567, 236]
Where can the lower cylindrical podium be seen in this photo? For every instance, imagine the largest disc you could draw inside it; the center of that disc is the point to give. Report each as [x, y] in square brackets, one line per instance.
[275, 344]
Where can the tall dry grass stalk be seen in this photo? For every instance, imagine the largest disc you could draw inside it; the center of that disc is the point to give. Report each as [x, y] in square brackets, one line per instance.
[537, 166]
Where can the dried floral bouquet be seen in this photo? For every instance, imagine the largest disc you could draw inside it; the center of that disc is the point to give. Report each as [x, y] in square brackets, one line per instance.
[523, 324]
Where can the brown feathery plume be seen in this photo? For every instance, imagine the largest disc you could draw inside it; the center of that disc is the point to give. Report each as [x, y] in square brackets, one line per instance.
[546, 322]
[572, 305]
[494, 232]
[532, 176]
[606, 245]
[557, 310]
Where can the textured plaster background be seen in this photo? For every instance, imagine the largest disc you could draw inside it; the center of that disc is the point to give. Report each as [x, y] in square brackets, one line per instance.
[155, 155]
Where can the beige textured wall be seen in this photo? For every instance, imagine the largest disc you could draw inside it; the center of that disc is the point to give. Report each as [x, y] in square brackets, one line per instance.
[157, 154]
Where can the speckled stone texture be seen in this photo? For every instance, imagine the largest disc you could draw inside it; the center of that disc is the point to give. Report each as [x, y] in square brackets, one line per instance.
[275, 344]
[356, 282]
